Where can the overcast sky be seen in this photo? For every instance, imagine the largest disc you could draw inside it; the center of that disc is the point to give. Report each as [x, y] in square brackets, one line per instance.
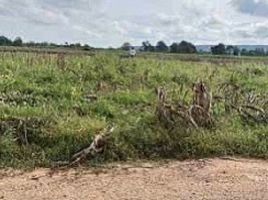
[104, 23]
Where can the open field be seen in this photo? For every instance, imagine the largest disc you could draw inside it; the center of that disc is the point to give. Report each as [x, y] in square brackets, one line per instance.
[199, 179]
[52, 106]
[205, 57]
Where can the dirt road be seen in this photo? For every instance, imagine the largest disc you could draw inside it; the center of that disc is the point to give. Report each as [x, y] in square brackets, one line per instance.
[202, 179]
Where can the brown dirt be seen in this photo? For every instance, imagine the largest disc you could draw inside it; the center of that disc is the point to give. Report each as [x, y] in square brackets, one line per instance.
[200, 179]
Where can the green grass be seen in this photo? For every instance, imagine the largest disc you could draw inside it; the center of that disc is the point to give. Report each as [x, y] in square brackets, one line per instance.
[48, 101]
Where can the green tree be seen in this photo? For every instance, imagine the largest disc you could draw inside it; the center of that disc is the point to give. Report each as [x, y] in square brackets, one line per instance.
[126, 46]
[230, 50]
[218, 49]
[237, 51]
[244, 52]
[4, 41]
[186, 47]
[260, 52]
[174, 47]
[86, 47]
[147, 46]
[17, 42]
[183, 47]
[161, 46]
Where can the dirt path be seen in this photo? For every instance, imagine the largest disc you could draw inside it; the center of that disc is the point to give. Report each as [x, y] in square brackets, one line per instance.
[202, 179]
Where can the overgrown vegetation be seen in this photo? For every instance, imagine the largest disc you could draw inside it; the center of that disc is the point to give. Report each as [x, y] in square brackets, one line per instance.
[52, 106]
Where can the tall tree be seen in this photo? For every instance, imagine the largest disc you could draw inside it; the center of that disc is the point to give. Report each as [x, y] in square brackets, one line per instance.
[237, 51]
[174, 47]
[260, 52]
[230, 50]
[186, 47]
[147, 46]
[4, 41]
[183, 47]
[244, 52]
[161, 46]
[17, 42]
[86, 47]
[218, 49]
[126, 46]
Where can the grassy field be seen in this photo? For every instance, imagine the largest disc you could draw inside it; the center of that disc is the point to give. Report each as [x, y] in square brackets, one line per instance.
[47, 111]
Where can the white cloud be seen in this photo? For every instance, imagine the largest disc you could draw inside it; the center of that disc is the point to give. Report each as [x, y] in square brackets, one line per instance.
[112, 22]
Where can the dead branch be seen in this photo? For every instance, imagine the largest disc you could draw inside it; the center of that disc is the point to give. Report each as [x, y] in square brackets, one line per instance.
[201, 96]
[97, 146]
[185, 115]
[250, 106]
[253, 108]
[196, 115]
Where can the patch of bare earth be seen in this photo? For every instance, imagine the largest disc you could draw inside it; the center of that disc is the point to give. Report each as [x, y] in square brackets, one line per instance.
[200, 179]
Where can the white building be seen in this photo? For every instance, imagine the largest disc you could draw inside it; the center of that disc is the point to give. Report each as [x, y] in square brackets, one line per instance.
[132, 52]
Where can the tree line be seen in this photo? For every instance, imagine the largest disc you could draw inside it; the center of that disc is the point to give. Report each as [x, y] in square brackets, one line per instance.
[221, 49]
[188, 48]
[161, 46]
[18, 42]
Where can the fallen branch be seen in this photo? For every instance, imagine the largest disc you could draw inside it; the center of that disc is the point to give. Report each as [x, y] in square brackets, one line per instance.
[260, 117]
[97, 146]
[186, 116]
[253, 108]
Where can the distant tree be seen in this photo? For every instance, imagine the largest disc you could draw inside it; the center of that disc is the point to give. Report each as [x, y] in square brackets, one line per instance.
[186, 47]
[4, 41]
[17, 42]
[230, 50]
[53, 45]
[30, 44]
[77, 45]
[251, 53]
[237, 51]
[147, 46]
[260, 52]
[218, 49]
[43, 44]
[244, 52]
[86, 47]
[174, 47]
[161, 46]
[126, 46]
[183, 47]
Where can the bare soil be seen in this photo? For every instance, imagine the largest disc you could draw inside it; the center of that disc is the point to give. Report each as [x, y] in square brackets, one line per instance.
[225, 178]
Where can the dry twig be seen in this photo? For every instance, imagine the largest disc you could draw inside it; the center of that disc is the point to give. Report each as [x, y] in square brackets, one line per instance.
[97, 146]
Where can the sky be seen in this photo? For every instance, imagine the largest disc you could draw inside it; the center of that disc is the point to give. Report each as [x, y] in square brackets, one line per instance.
[104, 23]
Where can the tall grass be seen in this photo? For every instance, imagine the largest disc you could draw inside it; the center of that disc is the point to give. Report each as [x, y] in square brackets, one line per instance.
[45, 99]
